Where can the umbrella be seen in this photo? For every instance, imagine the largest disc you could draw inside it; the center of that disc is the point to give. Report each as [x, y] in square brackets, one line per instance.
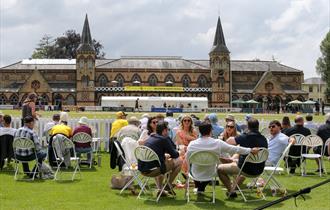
[309, 102]
[252, 102]
[239, 101]
[295, 102]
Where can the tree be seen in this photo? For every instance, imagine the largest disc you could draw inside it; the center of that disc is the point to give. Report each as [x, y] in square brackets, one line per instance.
[323, 62]
[63, 47]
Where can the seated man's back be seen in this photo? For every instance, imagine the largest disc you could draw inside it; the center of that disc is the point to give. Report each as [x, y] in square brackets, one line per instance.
[250, 140]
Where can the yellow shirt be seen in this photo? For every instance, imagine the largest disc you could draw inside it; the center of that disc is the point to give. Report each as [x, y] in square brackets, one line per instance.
[117, 125]
[62, 129]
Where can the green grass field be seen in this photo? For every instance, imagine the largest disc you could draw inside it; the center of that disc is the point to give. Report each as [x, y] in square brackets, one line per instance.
[92, 191]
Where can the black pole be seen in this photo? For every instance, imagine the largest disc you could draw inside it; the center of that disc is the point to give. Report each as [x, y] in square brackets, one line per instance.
[293, 195]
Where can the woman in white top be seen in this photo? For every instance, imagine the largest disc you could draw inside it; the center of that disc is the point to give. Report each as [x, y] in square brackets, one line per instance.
[151, 128]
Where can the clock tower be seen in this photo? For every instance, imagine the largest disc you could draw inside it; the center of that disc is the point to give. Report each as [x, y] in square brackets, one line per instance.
[220, 70]
[85, 68]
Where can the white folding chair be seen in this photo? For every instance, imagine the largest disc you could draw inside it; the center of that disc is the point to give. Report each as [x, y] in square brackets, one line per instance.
[67, 146]
[131, 167]
[145, 154]
[207, 159]
[266, 133]
[299, 140]
[269, 171]
[21, 143]
[311, 142]
[84, 138]
[260, 157]
[325, 148]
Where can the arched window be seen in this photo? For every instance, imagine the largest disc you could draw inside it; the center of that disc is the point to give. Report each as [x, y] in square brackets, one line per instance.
[221, 82]
[58, 100]
[70, 100]
[169, 80]
[44, 99]
[246, 97]
[103, 80]
[120, 80]
[13, 100]
[136, 80]
[85, 80]
[202, 81]
[3, 99]
[24, 97]
[234, 97]
[90, 64]
[153, 80]
[186, 81]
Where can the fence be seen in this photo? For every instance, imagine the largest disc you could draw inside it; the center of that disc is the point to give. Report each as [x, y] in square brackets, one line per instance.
[100, 127]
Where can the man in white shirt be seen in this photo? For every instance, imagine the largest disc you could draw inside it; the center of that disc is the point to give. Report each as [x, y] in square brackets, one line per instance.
[309, 122]
[206, 143]
[277, 143]
[49, 125]
[7, 129]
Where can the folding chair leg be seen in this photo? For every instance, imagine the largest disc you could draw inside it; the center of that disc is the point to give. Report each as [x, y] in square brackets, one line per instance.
[167, 175]
[187, 191]
[16, 170]
[213, 190]
[143, 188]
[127, 184]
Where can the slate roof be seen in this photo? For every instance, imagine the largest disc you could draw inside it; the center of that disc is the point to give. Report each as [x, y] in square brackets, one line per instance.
[151, 62]
[314, 80]
[138, 62]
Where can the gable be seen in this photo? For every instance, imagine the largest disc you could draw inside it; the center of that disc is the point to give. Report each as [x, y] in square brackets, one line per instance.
[268, 84]
[35, 83]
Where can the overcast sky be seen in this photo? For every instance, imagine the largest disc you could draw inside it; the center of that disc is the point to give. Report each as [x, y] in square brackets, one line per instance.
[288, 30]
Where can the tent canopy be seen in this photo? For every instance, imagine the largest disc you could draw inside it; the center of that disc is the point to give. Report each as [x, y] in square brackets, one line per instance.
[239, 101]
[252, 102]
[295, 102]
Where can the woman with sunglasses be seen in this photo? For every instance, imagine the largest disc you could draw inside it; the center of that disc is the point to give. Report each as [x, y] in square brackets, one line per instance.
[185, 135]
[230, 131]
[151, 128]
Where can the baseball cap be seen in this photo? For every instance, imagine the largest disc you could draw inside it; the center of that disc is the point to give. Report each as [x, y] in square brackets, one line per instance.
[120, 114]
[247, 117]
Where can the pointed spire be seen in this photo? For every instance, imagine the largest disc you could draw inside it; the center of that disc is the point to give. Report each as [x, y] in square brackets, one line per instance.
[219, 44]
[86, 43]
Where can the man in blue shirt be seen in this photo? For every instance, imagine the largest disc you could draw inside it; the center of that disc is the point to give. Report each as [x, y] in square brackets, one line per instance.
[277, 143]
[163, 146]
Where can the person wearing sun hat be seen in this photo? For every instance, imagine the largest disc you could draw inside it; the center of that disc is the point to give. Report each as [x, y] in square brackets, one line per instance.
[83, 147]
[118, 123]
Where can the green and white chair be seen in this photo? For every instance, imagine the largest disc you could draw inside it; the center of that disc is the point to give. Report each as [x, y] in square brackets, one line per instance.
[299, 143]
[25, 144]
[207, 159]
[311, 142]
[145, 154]
[84, 138]
[260, 157]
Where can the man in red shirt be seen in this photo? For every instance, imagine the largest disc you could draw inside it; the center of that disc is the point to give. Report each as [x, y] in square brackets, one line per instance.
[83, 147]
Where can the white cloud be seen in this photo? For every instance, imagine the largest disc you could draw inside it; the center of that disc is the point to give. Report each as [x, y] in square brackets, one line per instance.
[290, 15]
[289, 30]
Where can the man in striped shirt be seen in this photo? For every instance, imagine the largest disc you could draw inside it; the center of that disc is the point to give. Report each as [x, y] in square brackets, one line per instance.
[28, 154]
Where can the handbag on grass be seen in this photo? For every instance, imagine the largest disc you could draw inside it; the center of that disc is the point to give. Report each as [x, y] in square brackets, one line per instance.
[119, 181]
